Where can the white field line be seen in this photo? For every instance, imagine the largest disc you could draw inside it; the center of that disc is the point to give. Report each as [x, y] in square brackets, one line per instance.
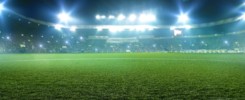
[94, 59]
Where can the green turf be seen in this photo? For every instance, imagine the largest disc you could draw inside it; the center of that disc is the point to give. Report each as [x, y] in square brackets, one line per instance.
[122, 76]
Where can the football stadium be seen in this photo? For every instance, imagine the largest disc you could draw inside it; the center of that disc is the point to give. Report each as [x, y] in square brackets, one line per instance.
[122, 49]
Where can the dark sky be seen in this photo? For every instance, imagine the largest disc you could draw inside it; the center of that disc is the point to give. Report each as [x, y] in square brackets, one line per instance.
[200, 11]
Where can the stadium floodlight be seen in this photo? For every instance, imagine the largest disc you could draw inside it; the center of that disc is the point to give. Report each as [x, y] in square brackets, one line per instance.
[226, 42]
[102, 16]
[73, 28]
[8, 38]
[183, 18]
[151, 17]
[40, 46]
[121, 17]
[64, 17]
[147, 18]
[143, 18]
[96, 49]
[66, 42]
[132, 17]
[81, 38]
[154, 45]
[97, 17]
[202, 42]
[111, 17]
[58, 27]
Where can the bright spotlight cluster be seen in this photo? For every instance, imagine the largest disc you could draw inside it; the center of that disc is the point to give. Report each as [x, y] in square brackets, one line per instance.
[64, 20]
[114, 29]
[183, 19]
[143, 18]
[111, 17]
[99, 17]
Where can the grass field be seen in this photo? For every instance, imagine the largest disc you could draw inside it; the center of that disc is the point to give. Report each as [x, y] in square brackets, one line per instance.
[122, 76]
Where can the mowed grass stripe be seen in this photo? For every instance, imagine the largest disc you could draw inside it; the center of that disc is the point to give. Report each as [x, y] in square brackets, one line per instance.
[92, 59]
[123, 78]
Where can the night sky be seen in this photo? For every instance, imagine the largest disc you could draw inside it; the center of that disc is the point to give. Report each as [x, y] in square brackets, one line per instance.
[200, 11]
